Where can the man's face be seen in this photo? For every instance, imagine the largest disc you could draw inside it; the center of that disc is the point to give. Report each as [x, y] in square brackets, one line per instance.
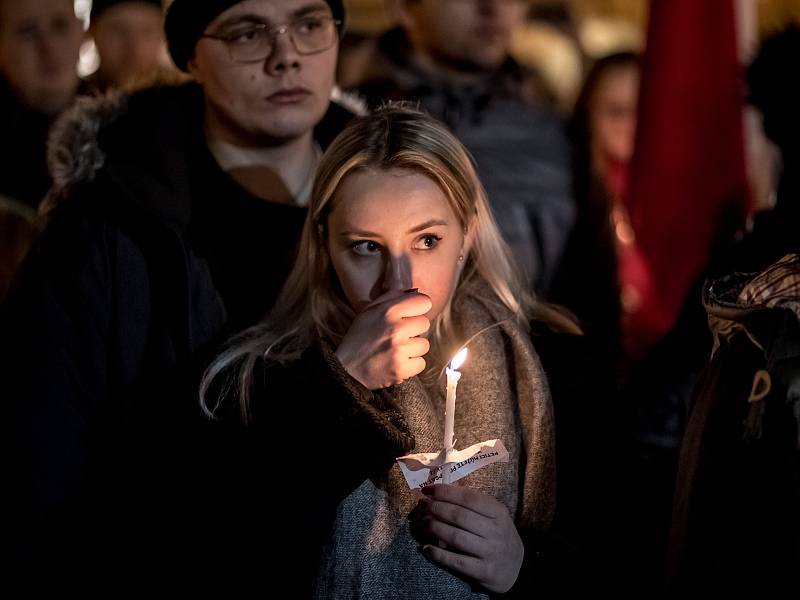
[464, 35]
[129, 39]
[273, 100]
[39, 45]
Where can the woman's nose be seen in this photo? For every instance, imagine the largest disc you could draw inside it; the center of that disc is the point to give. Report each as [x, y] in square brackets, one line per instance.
[397, 275]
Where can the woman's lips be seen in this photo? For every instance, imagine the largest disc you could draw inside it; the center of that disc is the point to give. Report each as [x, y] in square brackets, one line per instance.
[289, 95]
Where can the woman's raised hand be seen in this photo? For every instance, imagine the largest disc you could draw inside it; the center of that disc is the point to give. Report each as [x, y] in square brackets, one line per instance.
[382, 346]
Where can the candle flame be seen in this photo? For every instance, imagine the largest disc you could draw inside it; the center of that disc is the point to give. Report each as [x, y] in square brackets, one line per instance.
[458, 359]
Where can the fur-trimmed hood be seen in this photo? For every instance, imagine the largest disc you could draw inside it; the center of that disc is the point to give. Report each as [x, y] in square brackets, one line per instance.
[74, 154]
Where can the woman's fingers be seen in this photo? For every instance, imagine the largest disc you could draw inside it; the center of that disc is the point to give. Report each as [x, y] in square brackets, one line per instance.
[414, 366]
[381, 348]
[413, 326]
[404, 306]
[482, 504]
[458, 516]
[416, 347]
[468, 566]
[454, 537]
[479, 537]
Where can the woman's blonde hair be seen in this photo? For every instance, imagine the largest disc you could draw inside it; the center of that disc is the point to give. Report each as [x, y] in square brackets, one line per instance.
[312, 304]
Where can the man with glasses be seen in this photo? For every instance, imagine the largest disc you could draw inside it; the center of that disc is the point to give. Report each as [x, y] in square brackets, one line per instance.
[173, 222]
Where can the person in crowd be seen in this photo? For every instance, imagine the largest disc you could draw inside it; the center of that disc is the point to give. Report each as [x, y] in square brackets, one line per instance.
[592, 432]
[603, 129]
[772, 235]
[738, 481]
[401, 264]
[129, 38]
[453, 58]
[173, 221]
[39, 45]
[17, 231]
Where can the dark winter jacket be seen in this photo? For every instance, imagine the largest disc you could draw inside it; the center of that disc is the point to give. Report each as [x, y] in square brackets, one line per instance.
[316, 435]
[151, 255]
[736, 515]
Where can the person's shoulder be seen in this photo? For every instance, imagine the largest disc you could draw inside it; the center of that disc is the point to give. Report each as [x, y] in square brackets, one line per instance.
[347, 104]
[85, 224]
[123, 145]
[343, 107]
[517, 85]
[82, 138]
[165, 97]
[540, 117]
[478, 302]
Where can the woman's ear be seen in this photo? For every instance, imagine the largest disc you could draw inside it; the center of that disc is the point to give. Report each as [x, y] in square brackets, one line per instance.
[469, 237]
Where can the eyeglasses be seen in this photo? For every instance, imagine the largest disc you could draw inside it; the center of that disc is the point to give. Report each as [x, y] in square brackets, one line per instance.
[256, 42]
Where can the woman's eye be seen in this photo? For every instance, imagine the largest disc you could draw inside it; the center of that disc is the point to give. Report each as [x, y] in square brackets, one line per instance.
[366, 248]
[428, 242]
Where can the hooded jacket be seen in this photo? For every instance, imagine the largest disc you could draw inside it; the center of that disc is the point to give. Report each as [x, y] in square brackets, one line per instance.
[151, 255]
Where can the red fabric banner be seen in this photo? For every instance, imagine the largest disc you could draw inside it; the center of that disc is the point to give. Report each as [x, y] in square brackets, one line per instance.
[688, 172]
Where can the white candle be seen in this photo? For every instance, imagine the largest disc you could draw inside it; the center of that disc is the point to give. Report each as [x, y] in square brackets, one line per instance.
[450, 407]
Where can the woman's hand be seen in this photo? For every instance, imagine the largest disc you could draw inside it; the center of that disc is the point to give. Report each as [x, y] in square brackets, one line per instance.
[470, 534]
[381, 348]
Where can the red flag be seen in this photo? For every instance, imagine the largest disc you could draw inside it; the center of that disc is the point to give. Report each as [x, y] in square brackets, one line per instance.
[688, 173]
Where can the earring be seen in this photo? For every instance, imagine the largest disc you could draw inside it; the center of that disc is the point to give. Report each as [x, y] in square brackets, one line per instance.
[460, 258]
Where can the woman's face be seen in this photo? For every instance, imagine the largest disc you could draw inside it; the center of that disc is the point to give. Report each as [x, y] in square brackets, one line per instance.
[394, 230]
[613, 115]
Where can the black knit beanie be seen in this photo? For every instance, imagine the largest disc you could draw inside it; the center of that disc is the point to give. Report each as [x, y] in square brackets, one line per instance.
[187, 20]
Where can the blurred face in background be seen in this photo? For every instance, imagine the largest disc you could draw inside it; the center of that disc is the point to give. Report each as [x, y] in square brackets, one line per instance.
[130, 41]
[39, 45]
[462, 35]
[612, 115]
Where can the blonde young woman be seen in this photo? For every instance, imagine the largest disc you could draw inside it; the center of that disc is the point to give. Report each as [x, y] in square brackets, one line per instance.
[399, 265]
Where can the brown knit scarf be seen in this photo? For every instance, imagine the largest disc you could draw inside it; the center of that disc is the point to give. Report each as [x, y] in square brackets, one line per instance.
[502, 394]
